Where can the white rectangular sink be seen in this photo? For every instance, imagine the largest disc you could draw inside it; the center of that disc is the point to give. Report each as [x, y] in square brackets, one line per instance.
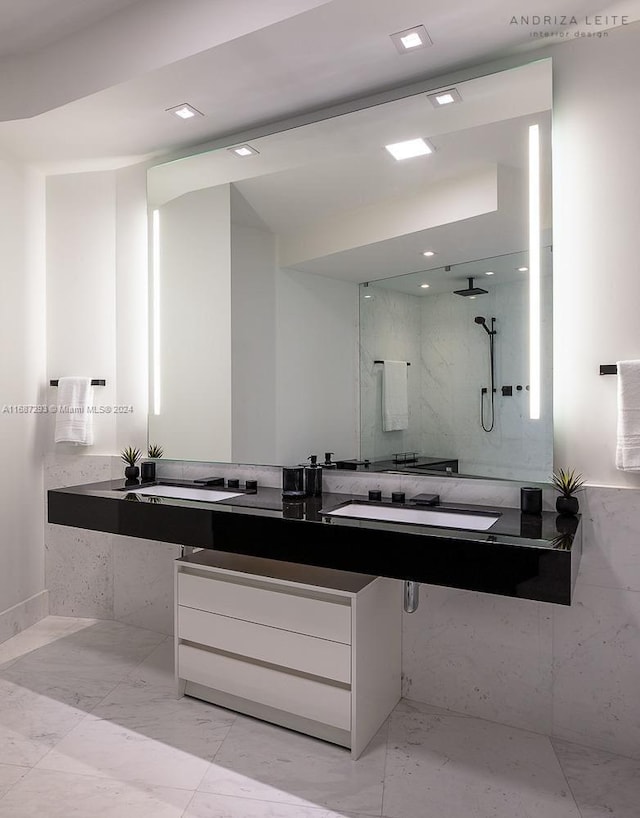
[445, 519]
[187, 493]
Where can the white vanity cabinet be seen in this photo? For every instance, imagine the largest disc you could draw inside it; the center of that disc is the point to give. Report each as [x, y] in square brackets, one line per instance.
[312, 649]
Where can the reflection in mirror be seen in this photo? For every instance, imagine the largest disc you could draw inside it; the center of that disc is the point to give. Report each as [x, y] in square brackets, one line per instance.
[258, 261]
[457, 343]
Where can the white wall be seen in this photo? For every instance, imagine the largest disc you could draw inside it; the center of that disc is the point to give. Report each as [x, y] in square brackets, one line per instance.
[253, 344]
[97, 298]
[195, 307]
[22, 379]
[317, 366]
[596, 165]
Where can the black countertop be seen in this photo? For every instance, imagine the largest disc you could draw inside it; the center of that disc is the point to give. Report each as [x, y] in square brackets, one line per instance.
[533, 557]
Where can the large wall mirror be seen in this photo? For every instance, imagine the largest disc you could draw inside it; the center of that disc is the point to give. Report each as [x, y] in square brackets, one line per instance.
[283, 269]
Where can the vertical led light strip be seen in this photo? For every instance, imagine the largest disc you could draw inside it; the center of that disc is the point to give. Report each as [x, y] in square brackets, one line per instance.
[156, 310]
[534, 272]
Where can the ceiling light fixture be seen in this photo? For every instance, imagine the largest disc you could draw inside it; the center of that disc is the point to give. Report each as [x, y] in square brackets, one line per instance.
[448, 97]
[411, 39]
[184, 111]
[489, 273]
[409, 149]
[428, 253]
[522, 269]
[243, 150]
[424, 286]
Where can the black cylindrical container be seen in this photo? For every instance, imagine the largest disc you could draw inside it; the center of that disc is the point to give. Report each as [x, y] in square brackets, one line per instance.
[293, 482]
[251, 485]
[233, 483]
[530, 500]
[148, 472]
[375, 494]
[397, 497]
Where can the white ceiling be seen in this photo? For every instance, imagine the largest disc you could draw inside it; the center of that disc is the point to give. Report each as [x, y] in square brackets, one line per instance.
[28, 25]
[89, 80]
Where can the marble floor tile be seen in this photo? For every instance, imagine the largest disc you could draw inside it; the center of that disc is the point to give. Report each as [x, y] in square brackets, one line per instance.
[10, 774]
[44, 794]
[104, 749]
[470, 768]
[105, 648]
[48, 630]
[265, 762]
[32, 723]
[155, 711]
[604, 785]
[208, 805]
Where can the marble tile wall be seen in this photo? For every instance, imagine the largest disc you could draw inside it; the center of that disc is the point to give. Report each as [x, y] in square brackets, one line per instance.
[455, 365]
[567, 672]
[98, 575]
[571, 672]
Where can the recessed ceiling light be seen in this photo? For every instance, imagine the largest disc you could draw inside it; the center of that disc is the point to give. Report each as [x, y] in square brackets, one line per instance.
[368, 296]
[472, 298]
[522, 269]
[428, 253]
[489, 273]
[448, 97]
[424, 286]
[184, 111]
[409, 149]
[243, 150]
[411, 39]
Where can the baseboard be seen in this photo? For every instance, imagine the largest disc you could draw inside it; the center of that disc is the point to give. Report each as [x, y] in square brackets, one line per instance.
[23, 615]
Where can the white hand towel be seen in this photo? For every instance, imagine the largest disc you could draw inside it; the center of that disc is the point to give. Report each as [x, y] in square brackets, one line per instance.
[74, 420]
[628, 443]
[395, 400]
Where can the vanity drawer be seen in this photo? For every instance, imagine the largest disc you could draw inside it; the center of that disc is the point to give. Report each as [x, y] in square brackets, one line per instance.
[309, 698]
[320, 657]
[278, 609]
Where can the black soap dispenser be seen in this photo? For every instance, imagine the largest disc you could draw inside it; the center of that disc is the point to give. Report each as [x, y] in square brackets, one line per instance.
[328, 462]
[313, 477]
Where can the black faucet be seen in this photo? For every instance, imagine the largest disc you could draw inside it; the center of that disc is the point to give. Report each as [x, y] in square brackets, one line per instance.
[210, 481]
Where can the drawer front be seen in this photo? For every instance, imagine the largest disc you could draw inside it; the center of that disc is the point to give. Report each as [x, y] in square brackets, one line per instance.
[275, 688]
[330, 660]
[314, 617]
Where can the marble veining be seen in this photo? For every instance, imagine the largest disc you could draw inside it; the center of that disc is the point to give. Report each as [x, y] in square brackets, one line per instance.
[603, 785]
[439, 765]
[480, 654]
[140, 752]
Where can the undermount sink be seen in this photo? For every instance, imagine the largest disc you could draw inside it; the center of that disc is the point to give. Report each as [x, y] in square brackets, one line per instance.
[443, 518]
[187, 493]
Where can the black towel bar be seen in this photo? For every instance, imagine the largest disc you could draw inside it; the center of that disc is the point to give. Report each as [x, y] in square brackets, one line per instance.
[94, 382]
[381, 362]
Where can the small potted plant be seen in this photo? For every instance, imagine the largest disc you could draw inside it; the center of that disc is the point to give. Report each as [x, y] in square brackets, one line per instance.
[155, 451]
[568, 483]
[130, 456]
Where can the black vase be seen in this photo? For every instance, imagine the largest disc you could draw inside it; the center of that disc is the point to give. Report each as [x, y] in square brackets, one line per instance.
[567, 505]
[131, 472]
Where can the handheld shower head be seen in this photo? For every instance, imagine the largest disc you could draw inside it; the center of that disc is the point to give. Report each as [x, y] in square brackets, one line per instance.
[480, 319]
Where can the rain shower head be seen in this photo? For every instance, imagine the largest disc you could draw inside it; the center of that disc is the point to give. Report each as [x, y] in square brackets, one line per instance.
[471, 290]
